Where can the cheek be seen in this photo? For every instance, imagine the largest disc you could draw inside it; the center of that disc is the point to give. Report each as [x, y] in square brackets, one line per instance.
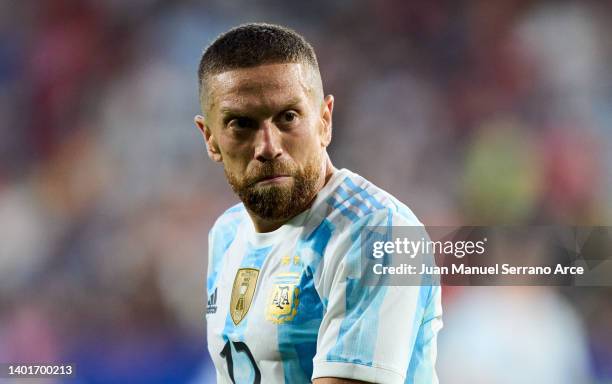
[236, 155]
[303, 143]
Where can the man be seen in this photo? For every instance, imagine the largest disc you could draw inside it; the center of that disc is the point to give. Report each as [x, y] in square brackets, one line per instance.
[285, 303]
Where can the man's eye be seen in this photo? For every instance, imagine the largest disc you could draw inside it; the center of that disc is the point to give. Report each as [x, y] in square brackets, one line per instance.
[241, 123]
[289, 116]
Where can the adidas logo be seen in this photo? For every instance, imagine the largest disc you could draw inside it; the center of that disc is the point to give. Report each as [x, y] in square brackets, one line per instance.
[212, 303]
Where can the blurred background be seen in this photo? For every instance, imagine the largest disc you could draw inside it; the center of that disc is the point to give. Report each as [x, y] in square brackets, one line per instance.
[471, 112]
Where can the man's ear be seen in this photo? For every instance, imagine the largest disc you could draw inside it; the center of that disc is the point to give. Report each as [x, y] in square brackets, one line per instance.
[211, 143]
[326, 117]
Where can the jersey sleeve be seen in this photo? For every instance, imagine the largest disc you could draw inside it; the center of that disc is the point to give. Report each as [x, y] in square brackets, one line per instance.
[375, 333]
[220, 237]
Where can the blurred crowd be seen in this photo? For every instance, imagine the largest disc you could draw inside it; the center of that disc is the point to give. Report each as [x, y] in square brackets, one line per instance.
[470, 112]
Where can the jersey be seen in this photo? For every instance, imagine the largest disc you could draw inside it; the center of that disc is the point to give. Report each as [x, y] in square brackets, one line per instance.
[287, 306]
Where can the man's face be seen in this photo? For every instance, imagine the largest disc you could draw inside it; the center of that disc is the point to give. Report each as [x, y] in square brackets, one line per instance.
[269, 126]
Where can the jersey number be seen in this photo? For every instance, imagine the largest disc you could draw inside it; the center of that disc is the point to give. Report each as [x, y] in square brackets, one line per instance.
[226, 353]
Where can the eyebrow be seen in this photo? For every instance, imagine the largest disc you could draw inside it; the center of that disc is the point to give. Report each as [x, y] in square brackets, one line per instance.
[231, 111]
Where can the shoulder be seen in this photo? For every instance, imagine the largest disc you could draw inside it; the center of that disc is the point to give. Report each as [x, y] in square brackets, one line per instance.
[355, 202]
[220, 238]
[352, 205]
[233, 214]
[349, 205]
[226, 225]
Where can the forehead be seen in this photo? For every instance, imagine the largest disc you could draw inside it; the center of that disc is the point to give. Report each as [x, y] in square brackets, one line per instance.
[257, 87]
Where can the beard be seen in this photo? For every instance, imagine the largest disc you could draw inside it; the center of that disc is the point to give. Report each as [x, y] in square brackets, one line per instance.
[273, 201]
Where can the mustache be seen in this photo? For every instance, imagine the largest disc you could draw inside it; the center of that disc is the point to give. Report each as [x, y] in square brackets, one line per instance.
[269, 169]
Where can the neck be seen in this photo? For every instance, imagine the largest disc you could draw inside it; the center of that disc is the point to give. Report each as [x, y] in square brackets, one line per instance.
[266, 225]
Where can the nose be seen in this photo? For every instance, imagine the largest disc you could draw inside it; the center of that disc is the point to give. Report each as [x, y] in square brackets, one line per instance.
[268, 142]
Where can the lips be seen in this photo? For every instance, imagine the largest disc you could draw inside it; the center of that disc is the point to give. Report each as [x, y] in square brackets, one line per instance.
[270, 178]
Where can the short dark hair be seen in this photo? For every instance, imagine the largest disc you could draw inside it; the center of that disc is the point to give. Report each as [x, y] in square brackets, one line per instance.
[253, 44]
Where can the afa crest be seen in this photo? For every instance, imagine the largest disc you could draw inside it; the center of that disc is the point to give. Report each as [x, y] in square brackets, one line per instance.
[284, 298]
[242, 293]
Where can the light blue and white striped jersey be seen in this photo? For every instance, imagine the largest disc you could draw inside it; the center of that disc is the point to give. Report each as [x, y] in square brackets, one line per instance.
[287, 306]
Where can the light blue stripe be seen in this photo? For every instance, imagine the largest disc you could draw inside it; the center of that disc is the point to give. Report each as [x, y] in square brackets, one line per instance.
[363, 193]
[312, 248]
[353, 200]
[358, 331]
[371, 234]
[343, 210]
[297, 339]
[419, 367]
[236, 208]
[222, 237]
